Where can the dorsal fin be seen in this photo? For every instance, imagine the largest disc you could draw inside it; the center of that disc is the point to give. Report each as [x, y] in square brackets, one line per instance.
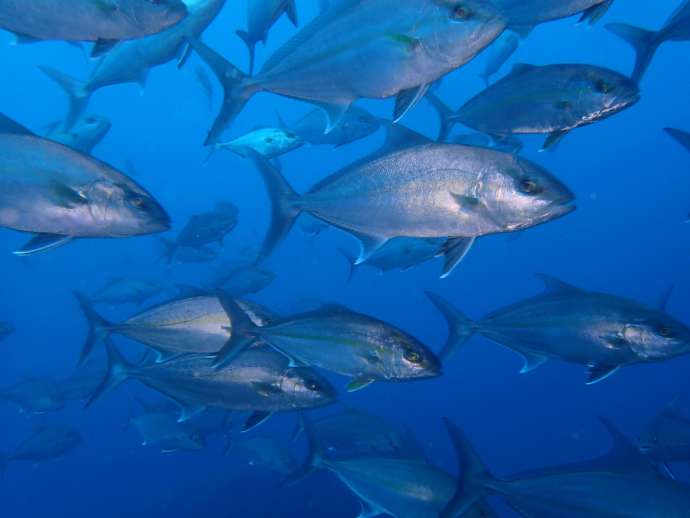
[400, 137]
[554, 285]
[7, 125]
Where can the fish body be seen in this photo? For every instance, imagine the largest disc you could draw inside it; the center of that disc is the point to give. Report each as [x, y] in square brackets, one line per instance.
[264, 451]
[402, 253]
[267, 142]
[84, 135]
[552, 99]
[50, 189]
[47, 442]
[354, 125]
[261, 15]
[525, 14]
[366, 49]
[124, 290]
[243, 280]
[89, 20]
[162, 430]
[666, 437]
[601, 331]
[208, 227]
[34, 396]
[501, 51]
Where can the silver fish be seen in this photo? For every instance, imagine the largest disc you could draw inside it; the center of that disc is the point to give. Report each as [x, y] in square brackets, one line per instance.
[162, 430]
[367, 49]
[601, 331]
[354, 125]
[89, 20]
[131, 61]
[260, 380]
[125, 290]
[523, 15]
[261, 15]
[47, 442]
[84, 135]
[267, 142]
[34, 396]
[553, 99]
[336, 339]
[646, 42]
[401, 253]
[239, 280]
[74, 196]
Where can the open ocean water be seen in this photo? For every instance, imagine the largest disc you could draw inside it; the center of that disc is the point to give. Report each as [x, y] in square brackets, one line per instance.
[628, 237]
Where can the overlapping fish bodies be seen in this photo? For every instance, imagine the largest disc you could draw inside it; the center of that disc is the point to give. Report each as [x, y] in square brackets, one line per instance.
[645, 42]
[355, 124]
[60, 194]
[367, 48]
[261, 15]
[395, 486]
[131, 61]
[552, 99]
[336, 339]
[88, 20]
[666, 438]
[680, 136]
[239, 280]
[601, 331]
[260, 380]
[47, 442]
[623, 483]
[523, 15]
[424, 190]
[127, 290]
[501, 51]
[34, 396]
[267, 142]
[84, 135]
[161, 429]
[6, 329]
[263, 451]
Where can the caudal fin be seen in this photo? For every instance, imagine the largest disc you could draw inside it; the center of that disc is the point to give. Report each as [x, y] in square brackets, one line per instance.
[313, 460]
[77, 92]
[284, 211]
[445, 115]
[351, 262]
[98, 327]
[644, 42]
[251, 48]
[119, 369]
[237, 88]
[243, 331]
[460, 328]
[474, 477]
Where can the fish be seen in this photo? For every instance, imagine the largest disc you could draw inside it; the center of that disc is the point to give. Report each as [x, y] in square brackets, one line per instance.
[680, 136]
[261, 15]
[260, 380]
[206, 84]
[84, 135]
[208, 227]
[666, 437]
[468, 192]
[601, 331]
[398, 487]
[524, 15]
[551, 99]
[501, 51]
[46, 442]
[126, 290]
[623, 483]
[336, 339]
[263, 451]
[311, 226]
[645, 43]
[187, 254]
[6, 329]
[239, 280]
[131, 61]
[355, 124]
[210, 422]
[401, 253]
[267, 142]
[76, 196]
[101, 21]
[160, 428]
[34, 396]
[506, 143]
[369, 49]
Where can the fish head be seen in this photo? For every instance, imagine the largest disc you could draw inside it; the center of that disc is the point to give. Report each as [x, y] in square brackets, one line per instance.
[655, 336]
[306, 389]
[92, 127]
[607, 90]
[409, 359]
[460, 29]
[125, 209]
[523, 195]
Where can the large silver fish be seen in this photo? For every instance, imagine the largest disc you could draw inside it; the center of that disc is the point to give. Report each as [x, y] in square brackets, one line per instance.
[259, 380]
[646, 42]
[337, 339]
[131, 61]
[423, 190]
[552, 99]
[84, 135]
[261, 15]
[365, 49]
[60, 194]
[601, 331]
[89, 20]
[46, 442]
[622, 483]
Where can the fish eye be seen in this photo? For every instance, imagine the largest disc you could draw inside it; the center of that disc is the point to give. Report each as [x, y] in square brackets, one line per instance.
[665, 331]
[137, 202]
[90, 120]
[461, 12]
[268, 140]
[313, 385]
[603, 87]
[528, 186]
[413, 357]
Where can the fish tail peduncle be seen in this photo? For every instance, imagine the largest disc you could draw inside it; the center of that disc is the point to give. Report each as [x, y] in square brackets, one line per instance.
[98, 327]
[119, 369]
[644, 42]
[460, 328]
[77, 91]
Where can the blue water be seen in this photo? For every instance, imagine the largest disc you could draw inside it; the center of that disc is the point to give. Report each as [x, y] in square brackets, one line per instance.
[627, 237]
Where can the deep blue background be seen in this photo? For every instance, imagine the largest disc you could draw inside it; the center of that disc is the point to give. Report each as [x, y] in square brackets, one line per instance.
[627, 237]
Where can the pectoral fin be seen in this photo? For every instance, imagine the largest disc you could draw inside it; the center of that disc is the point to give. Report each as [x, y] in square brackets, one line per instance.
[597, 373]
[369, 245]
[358, 384]
[255, 420]
[66, 196]
[102, 47]
[553, 139]
[42, 243]
[408, 99]
[334, 113]
[532, 361]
